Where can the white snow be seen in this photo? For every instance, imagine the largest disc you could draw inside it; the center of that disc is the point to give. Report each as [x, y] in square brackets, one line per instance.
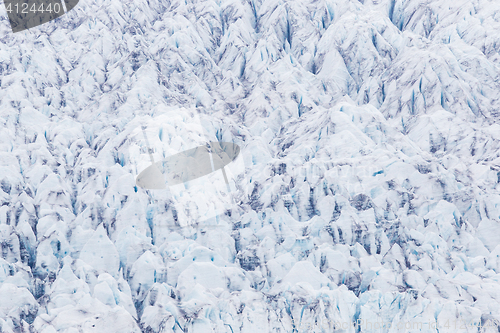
[366, 190]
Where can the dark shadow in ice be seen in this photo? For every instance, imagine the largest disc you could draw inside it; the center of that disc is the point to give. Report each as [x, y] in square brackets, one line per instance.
[361, 202]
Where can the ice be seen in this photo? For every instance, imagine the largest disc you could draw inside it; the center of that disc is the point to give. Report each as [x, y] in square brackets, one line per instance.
[144, 273]
[366, 188]
[100, 253]
[304, 272]
[17, 304]
[131, 244]
[157, 318]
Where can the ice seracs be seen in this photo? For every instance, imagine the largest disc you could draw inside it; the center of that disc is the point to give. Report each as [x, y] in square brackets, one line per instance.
[367, 188]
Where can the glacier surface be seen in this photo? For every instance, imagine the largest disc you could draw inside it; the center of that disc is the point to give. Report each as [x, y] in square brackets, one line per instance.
[367, 194]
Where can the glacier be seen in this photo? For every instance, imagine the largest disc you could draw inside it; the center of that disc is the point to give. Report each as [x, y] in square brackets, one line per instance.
[366, 197]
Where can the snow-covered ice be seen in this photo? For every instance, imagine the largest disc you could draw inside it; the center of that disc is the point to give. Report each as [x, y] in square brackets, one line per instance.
[365, 197]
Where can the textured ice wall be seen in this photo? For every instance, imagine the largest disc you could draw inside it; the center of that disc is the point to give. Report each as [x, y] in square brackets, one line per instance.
[370, 138]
